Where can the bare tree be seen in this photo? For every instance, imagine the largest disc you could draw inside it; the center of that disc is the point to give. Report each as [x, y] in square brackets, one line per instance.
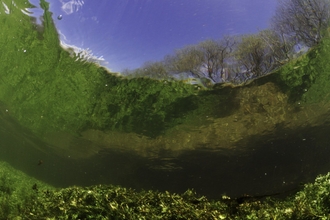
[280, 46]
[186, 59]
[209, 59]
[228, 44]
[254, 56]
[214, 57]
[156, 70]
[303, 20]
[205, 60]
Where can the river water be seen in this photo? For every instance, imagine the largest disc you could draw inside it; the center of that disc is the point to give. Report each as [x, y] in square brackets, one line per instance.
[68, 122]
[267, 167]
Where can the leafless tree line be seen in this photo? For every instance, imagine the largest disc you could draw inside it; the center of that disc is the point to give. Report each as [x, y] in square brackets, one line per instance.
[237, 58]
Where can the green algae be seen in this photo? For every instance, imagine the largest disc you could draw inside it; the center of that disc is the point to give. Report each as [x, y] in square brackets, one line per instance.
[48, 89]
[18, 192]
[306, 78]
[319, 74]
[22, 197]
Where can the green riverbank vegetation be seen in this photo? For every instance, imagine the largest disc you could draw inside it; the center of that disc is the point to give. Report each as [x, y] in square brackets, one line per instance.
[49, 89]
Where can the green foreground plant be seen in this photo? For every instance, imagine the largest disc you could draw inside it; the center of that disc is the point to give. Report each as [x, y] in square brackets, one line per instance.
[23, 197]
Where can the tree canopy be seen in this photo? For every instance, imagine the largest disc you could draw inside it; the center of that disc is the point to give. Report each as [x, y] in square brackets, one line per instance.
[303, 20]
[238, 58]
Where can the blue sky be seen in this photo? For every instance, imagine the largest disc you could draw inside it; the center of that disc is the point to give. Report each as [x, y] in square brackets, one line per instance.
[128, 33]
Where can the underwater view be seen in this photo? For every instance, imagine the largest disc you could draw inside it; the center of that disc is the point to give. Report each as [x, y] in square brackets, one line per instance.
[170, 110]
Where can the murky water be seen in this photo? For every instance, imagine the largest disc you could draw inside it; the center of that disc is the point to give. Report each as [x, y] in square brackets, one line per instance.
[265, 167]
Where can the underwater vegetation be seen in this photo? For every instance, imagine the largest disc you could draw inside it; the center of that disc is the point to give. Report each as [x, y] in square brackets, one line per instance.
[17, 191]
[23, 197]
[49, 89]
